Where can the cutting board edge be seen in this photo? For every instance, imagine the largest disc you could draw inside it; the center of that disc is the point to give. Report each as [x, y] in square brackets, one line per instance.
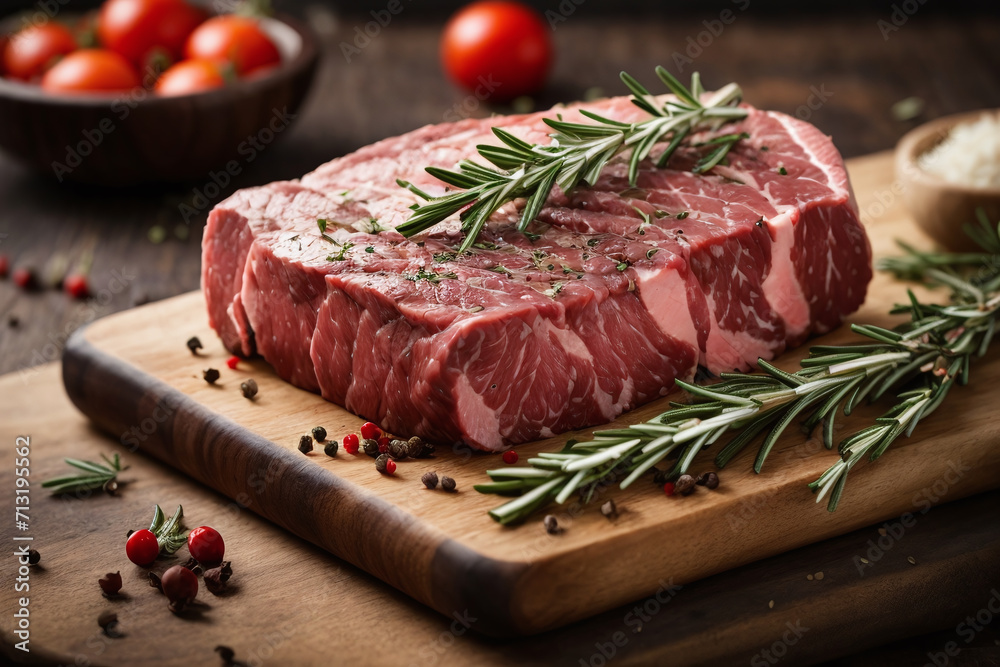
[485, 589]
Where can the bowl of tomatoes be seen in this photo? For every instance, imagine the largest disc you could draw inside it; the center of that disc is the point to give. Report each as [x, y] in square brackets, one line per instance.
[144, 91]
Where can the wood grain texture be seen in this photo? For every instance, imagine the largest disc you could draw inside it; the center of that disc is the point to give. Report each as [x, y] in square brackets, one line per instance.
[294, 604]
[133, 375]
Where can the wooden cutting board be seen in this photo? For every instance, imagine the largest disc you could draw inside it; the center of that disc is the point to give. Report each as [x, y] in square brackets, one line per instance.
[132, 374]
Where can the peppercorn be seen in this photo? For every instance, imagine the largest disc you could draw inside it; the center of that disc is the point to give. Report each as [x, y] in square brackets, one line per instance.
[214, 580]
[319, 433]
[684, 485]
[371, 447]
[381, 463]
[232, 362]
[430, 479]
[390, 467]
[708, 479]
[305, 444]
[111, 583]
[609, 509]
[249, 388]
[668, 488]
[383, 445]
[551, 524]
[510, 457]
[108, 620]
[227, 654]
[33, 557]
[351, 443]
[330, 449]
[225, 570]
[210, 375]
[194, 344]
[659, 477]
[448, 484]
[419, 449]
[399, 449]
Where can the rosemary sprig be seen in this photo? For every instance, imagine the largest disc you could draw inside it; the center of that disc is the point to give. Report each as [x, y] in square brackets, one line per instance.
[96, 476]
[920, 361]
[578, 154]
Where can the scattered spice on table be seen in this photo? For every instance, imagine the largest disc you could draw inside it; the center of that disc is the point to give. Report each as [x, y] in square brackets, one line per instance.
[370, 431]
[227, 654]
[770, 605]
[819, 576]
[319, 433]
[76, 286]
[385, 465]
[34, 557]
[418, 449]
[13, 321]
[448, 484]
[351, 443]
[609, 509]
[305, 444]
[685, 485]
[809, 577]
[669, 488]
[330, 448]
[194, 344]
[4, 266]
[211, 375]
[232, 362]
[108, 621]
[111, 583]
[249, 388]
[383, 445]
[510, 457]
[911, 560]
[709, 480]
[551, 524]
[371, 447]
[216, 578]
[429, 479]
[24, 278]
[399, 449]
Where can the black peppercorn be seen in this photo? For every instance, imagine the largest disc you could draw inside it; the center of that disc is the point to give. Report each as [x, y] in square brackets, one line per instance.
[227, 654]
[399, 449]
[249, 388]
[210, 375]
[448, 484]
[371, 447]
[305, 444]
[381, 462]
[684, 485]
[418, 449]
[430, 480]
[319, 433]
[194, 344]
[33, 557]
[330, 449]
[708, 479]
[551, 524]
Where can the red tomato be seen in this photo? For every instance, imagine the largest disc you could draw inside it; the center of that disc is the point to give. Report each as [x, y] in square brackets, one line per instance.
[497, 49]
[206, 545]
[90, 70]
[142, 547]
[235, 39]
[190, 76]
[138, 28]
[28, 52]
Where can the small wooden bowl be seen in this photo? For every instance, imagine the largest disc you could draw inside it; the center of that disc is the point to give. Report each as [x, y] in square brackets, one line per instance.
[138, 137]
[938, 206]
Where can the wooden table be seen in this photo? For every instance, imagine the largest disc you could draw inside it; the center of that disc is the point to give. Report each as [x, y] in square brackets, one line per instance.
[838, 71]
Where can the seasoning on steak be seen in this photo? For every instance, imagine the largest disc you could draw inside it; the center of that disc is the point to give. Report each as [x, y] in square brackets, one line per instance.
[616, 292]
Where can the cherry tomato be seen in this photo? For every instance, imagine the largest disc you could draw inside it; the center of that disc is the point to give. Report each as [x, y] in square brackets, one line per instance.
[30, 51]
[190, 76]
[138, 28]
[206, 545]
[90, 70]
[142, 547]
[235, 39]
[497, 49]
[179, 584]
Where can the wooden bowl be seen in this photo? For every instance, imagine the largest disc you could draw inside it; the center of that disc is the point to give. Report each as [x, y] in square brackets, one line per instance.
[138, 137]
[938, 206]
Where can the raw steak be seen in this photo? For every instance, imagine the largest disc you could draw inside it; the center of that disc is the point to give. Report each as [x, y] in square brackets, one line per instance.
[616, 292]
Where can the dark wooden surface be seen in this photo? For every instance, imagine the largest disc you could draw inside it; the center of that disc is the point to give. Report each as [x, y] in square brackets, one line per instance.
[395, 84]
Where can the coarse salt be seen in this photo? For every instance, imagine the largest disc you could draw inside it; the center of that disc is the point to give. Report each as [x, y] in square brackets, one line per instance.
[969, 155]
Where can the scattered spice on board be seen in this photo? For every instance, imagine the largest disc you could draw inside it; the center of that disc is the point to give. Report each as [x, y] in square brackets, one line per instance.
[111, 583]
[685, 485]
[551, 524]
[770, 605]
[306, 444]
[418, 449]
[399, 449]
[448, 484]
[709, 480]
[194, 344]
[33, 557]
[249, 388]
[609, 509]
[430, 480]
[227, 654]
[351, 443]
[232, 362]
[330, 448]
[819, 576]
[211, 375]
[319, 433]
[371, 447]
[510, 457]
[911, 560]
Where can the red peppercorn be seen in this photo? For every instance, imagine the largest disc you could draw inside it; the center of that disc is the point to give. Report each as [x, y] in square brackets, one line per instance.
[390, 467]
[370, 431]
[232, 361]
[510, 456]
[383, 445]
[142, 547]
[668, 488]
[206, 545]
[76, 286]
[24, 278]
[351, 443]
[4, 266]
